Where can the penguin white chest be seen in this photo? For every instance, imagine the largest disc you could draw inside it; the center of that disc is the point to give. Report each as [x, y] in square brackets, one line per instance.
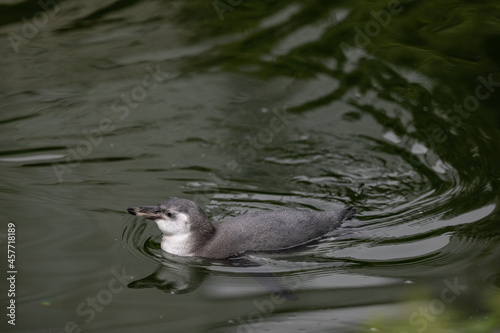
[180, 245]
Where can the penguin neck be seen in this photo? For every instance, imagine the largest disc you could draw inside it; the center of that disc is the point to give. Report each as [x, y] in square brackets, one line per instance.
[186, 244]
[181, 244]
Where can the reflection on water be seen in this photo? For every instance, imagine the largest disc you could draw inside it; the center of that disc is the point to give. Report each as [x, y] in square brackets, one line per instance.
[244, 106]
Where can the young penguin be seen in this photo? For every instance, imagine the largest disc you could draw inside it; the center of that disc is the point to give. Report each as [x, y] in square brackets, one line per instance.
[187, 231]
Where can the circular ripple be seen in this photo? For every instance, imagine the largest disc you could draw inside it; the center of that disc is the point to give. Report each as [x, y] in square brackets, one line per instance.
[139, 243]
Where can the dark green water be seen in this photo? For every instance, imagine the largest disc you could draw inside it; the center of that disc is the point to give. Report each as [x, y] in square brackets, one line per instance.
[242, 106]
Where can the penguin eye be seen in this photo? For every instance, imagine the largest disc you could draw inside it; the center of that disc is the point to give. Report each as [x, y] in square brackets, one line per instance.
[169, 214]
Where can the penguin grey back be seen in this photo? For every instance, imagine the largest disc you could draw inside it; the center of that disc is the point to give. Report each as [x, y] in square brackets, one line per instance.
[271, 231]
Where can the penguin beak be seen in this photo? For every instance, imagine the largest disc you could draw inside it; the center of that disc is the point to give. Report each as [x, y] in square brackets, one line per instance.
[149, 212]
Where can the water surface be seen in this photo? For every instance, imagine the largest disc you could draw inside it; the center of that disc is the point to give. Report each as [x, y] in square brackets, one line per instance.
[250, 106]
